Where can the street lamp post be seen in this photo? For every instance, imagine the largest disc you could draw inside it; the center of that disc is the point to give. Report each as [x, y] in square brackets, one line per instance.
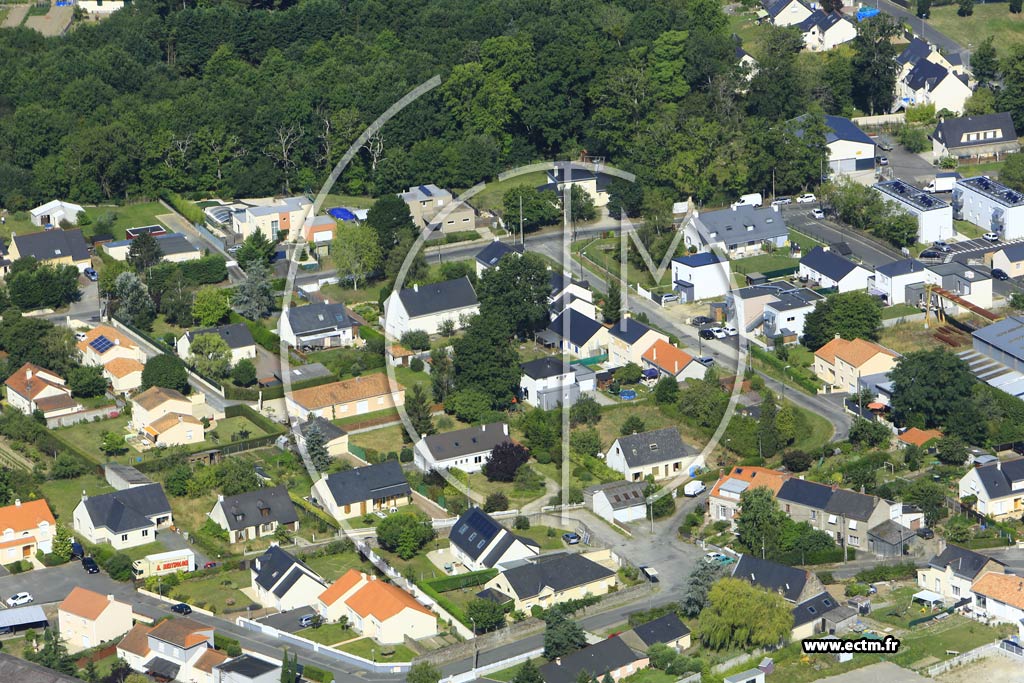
[476, 649]
[784, 381]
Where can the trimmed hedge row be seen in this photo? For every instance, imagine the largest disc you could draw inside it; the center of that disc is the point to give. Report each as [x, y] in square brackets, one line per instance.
[186, 208]
[261, 335]
[258, 419]
[271, 393]
[313, 510]
[446, 604]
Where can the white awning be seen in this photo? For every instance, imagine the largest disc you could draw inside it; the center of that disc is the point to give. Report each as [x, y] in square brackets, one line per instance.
[928, 596]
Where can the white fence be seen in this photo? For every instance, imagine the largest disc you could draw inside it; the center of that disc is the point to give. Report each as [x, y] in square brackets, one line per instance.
[879, 120]
[473, 674]
[964, 658]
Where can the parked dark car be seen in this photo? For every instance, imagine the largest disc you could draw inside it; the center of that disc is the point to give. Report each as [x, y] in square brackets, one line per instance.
[571, 537]
[931, 253]
[1000, 274]
[90, 566]
[706, 333]
[699, 320]
[181, 608]
[925, 532]
[91, 274]
[209, 565]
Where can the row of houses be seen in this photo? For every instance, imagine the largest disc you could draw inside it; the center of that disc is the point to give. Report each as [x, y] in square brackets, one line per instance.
[822, 31]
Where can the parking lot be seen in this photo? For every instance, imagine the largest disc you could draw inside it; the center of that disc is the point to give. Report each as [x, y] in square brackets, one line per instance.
[52, 585]
[287, 621]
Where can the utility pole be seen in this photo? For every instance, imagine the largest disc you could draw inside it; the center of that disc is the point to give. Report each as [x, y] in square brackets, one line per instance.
[522, 235]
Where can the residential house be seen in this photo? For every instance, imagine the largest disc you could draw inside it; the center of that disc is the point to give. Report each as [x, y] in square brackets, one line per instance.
[990, 205]
[890, 539]
[255, 514]
[319, 326]
[174, 248]
[785, 317]
[168, 651]
[999, 598]
[124, 476]
[965, 282]
[954, 570]
[969, 137]
[918, 437]
[825, 31]
[919, 50]
[335, 438]
[236, 335]
[628, 340]
[124, 374]
[999, 488]
[700, 276]
[319, 232]
[87, 618]
[934, 216]
[33, 388]
[671, 361]
[578, 334]
[892, 280]
[930, 83]
[610, 658]
[828, 269]
[479, 542]
[617, 501]
[245, 668]
[738, 231]
[431, 206]
[124, 519]
[849, 148]
[465, 449]
[54, 212]
[567, 175]
[105, 343]
[841, 363]
[844, 515]
[814, 609]
[491, 255]
[204, 666]
[284, 582]
[167, 417]
[277, 219]
[362, 490]
[376, 609]
[668, 630]
[746, 62]
[52, 247]
[563, 284]
[428, 307]
[724, 499]
[26, 527]
[786, 12]
[659, 453]
[356, 396]
[548, 580]
[547, 383]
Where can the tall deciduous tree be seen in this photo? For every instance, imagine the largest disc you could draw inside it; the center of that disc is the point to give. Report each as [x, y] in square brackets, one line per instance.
[778, 92]
[133, 300]
[928, 387]
[485, 360]
[538, 208]
[210, 355]
[562, 635]
[356, 252]
[504, 461]
[874, 63]
[1011, 97]
[517, 292]
[743, 616]
[985, 62]
[851, 315]
[210, 306]
[390, 219]
[760, 523]
[254, 297]
[165, 371]
[404, 533]
[144, 252]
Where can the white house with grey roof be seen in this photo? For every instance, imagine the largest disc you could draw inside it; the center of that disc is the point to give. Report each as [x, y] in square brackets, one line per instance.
[928, 82]
[236, 335]
[548, 580]
[319, 326]
[934, 216]
[659, 453]
[785, 316]
[892, 280]
[427, 307]
[617, 501]
[825, 31]
[479, 542]
[55, 211]
[828, 269]
[786, 12]
[464, 449]
[973, 136]
[362, 490]
[275, 218]
[491, 255]
[999, 488]
[284, 582]
[990, 205]
[738, 231]
[970, 284]
[577, 333]
[124, 519]
[547, 383]
[174, 247]
[255, 514]
[700, 276]
[246, 669]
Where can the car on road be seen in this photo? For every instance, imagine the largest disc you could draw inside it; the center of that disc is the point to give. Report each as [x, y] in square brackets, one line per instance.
[19, 599]
[942, 246]
[990, 236]
[817, 213]
[234, 248]
[706, 361]
[925, 533]
[931, 254]
[718, 558]
[209, 565]
[782, 201]
[730, 331]
[719, 333]
[884, 146]
[571, 537]
[90, 566]
[650, 572]
[806, 199]
[707, 333]
[1000, 274]
[91, 274]
[306, 621]
[699, 320]
[182, 609]
[883, 161]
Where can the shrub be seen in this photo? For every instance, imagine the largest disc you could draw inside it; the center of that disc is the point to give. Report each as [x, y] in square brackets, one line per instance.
[826, 578]
[230, 646]
[417, 340]
[893, 572]
[521, 523]
[416, 365]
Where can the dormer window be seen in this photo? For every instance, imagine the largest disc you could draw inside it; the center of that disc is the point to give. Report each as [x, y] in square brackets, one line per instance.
[654, 446]
[265, 512]
[239, 516]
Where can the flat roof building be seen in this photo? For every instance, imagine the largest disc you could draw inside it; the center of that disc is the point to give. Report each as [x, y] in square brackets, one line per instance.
[934, 216]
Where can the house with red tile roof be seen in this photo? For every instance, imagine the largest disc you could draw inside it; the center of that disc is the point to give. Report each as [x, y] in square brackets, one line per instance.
[376, 609]
[25, 527]
[33, 388]
[671, 361]
[724, 499]
[88, 618]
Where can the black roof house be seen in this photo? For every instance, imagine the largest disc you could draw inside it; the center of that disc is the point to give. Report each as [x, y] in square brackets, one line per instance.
[368, 483]
[328, 429]
[581, 328]
[965, 563]
[277, 571]
[305, 320]
[558, 571]
[476, 531]
[236, 335]
[914, 52]
[462, 442]
[828, 263]
[953, 132]
[247, 666]
[835, 501]
[128, 509]
[628, 330]
[998, 478]
[661, 630]
[261, 506]
[788, 582]
[648, 448]
[542, 368]
[52, 244]
[420, 300]
[493, 253]
[597, 660]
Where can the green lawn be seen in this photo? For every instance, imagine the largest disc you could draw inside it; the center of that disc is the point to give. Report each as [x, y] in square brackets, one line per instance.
[540, 535]
[284, 468]
[899, 311]
[806, 242]
[367, 648]
[382, 440]
[419, 566]
[335, 293]
[229, 427]
[141, 551]
[217, 591]
[87, 436]
[347, 200]
[988, 20]
[130, 216]
[331, 567]
[752, 36]
[506, 675]
[603, 254]
[328, 634]
[764, 263]
[969, 229]
[478, 483]
[64, 495]
[651, 675]
[491, 196]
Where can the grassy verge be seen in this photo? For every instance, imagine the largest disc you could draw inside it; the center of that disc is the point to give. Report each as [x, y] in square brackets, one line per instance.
[491, 196]
[541, 535]
[328, 634]
[332, 567]
[899, 311]
[419, 566]
[129, 216]
[368, 648]
[987, 20]
[968, 229]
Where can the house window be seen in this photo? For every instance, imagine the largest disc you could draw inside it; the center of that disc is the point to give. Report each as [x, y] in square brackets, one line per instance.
[956, 591]
[348, 509]
[814, 514]
[832, 519]
[145, 532]
[855, 540]
[787, 509]
[124, 537]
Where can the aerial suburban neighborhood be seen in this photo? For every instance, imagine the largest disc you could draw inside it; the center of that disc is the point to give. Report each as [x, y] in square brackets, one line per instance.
[592, 342]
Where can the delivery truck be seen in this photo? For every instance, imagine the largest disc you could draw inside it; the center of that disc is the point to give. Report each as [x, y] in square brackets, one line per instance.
[694, 488]
[944, 182]
[159, 564]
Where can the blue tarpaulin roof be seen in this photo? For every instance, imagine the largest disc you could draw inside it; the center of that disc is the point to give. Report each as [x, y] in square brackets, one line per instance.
[651, 373]
[866, 13]
[341, 213]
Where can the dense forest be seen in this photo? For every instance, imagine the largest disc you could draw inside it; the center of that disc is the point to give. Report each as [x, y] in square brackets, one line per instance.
[242, 100]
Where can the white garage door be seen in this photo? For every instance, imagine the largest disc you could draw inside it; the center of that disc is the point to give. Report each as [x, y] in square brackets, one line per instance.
[362, 407]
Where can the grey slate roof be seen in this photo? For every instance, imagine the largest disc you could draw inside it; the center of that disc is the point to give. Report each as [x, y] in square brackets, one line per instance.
[1014, 252]
[438, 297]
[462, 442]
[542, 368]
[51, 244]
[964, 563]
[236, 335]
[559, 281]
[495, 251]
[622, 494]
[14, 669]
[851, 504]
[247, 509]
[628, 330]
[581, 328]
[915, 51]
[820, 19]
[814, 608]
[828, 263]
[248, 666]
[998, 478]
[330, 430]
[904, 267]
[775, 7]
[772, 576]
[842, 502]
[891, 532]
[730, 225]
[926, 73]
[368, 483]
[129, 509]
[559, 571]
[319, 318]
[699, 260]
[950, 132]
[280, 568]
[662, 630]
[597, 660]
[655, 446]
[474, 531]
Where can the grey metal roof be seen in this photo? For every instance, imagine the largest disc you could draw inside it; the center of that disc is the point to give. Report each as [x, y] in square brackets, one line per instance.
[743, 224]
[474, 531]
[319, 317]
[542, 368]
[1007, 335]
[597, 660]
[951, 132]
[891, 532]
[248, 666]
[775, 7]
[261, 506]
[174, 243]
[622, 494]
[797, 298]
[236, 335]
[368, 483]
[14, 669]
[129, 509]
[462, 442]
[775, 577]
[997, 192]
[964, 563]
[904, 192]
[437, 297]
[904, 267]
[662, 630]
[558, 571]
[422, 193]
[128, 473]
[828, 263]
[628, 330]
[581, 328]
[493, 252]
[52, 244]
[163, 668]
[814, 608]
[655, 446]
[17, 617]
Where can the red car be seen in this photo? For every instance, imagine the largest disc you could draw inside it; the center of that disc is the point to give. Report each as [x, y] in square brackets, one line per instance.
[209, 565]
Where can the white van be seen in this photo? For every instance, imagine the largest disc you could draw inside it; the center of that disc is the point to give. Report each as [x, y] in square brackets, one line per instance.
[694, 488]
[754, 199]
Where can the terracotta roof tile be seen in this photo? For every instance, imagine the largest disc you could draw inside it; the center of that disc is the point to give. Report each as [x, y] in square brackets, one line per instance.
[355, 389]
[1005, 588]
[756, 476]
[84, 603]
[343, 585]
[919, 437]
[856, 352]
[26, 516]
[30, 386]
[155, 396]
[668, 358]
[210, 659]
[165, 422]
[122, 367]
[136, 641]
[180, 631]
[108, 332]
[382, 600]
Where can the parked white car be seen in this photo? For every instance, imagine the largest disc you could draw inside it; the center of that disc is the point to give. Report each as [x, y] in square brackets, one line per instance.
[991, 237]
[719, 333]
[806, 199]
[730, 331]
[19, 599]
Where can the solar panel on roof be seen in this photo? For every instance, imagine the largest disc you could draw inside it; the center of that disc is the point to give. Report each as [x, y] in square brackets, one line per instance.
[425, 190]
[101, 344]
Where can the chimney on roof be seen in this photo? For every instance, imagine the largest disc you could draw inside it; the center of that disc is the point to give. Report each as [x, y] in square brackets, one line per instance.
[28, 373]
[558, 661]
[220, 497]
[416, 288]
[504, 428]
[84, 496]
[835, 487]
[837, 336]
[117, 342]
[483, 428]
[654, 354]
[775, 207]
[999, 465]
[181, 418]
[110, 597]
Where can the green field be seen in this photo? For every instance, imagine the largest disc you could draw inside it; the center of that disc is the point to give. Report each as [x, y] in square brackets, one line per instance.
[367, 648]
[130, 216]
[988, 20]
[328, 634]
[64, 495]
[765, 263]
[490, 196]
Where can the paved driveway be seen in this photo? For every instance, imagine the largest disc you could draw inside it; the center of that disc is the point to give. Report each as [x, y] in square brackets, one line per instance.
[798, 217]
[52, 585]
[287, 621]
[905, 164]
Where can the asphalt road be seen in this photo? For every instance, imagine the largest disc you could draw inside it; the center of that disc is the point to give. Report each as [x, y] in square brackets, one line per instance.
[921, 28]
[905, 164]
[798, 217]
